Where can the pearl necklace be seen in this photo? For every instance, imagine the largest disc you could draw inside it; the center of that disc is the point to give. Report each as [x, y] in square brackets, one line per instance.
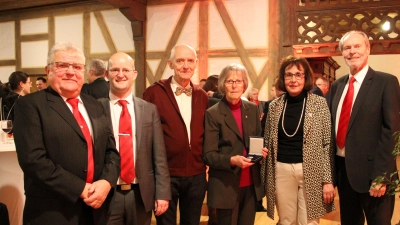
[298, 125]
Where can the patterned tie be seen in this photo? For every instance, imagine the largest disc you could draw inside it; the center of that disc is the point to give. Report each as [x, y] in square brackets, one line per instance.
[180, 90]
[85, 130]
[126, 144]
[345, 115]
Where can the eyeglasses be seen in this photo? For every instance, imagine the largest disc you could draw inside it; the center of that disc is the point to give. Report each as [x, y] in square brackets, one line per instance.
[231, 82]
[115, 71]
[297, 76]
[64, 66]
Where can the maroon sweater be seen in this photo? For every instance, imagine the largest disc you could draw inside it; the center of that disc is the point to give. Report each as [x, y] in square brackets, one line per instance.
[184, 156]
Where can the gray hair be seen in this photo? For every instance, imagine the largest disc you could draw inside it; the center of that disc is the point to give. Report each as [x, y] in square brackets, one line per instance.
[98, 66]
[365, 36]
[227, 70]
[65, 47]
[171, 57]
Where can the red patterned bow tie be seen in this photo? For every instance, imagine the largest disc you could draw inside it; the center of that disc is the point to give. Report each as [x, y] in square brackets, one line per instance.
[180, 90]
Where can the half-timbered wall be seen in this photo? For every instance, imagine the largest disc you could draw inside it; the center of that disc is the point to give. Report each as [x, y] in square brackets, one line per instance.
[222, 32]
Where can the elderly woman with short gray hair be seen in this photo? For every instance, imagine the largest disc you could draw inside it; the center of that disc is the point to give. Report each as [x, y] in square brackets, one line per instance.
[234, 184]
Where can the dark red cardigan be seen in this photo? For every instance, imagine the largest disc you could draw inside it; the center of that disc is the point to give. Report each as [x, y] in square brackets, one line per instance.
[184, 157]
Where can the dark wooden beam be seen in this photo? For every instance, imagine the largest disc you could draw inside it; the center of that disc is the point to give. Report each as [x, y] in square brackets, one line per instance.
[166, 2]
[202, 64]
[34, 37]
[216, 53]
[133, 10]
[139, 40]
[53, 10]
[10, 62]
[31, 4]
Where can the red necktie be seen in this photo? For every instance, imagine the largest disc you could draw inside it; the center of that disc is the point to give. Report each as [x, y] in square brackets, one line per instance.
[126, 144]
[345, 115]
[85, 130]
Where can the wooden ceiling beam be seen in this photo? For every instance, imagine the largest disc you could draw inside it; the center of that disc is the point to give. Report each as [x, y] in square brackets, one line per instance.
[133, 10]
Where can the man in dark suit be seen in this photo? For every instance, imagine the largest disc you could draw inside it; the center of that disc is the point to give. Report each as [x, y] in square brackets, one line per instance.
[182, 106]
[97, 86]
[150, 189]
[70, 165]
[365, 108]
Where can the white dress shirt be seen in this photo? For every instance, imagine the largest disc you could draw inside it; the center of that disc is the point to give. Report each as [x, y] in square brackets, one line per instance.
[115, 112]
[357, 84]
[83, 112]
[184, 104]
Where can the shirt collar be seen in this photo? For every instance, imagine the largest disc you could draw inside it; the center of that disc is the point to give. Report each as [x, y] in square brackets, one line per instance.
[175, 84]
[79, 98]
[360, 75]
[114, 99]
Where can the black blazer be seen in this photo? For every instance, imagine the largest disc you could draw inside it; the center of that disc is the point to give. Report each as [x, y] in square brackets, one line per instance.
[99, 88]
[52, 153]
[373, 120]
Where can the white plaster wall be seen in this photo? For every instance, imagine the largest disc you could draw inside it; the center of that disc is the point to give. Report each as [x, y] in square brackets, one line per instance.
[34, 54]
[7, 43]
[120, 30]
[34, 26]
[69, 28]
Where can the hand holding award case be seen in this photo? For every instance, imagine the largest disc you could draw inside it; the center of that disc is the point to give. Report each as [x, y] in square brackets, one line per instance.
[255, 149]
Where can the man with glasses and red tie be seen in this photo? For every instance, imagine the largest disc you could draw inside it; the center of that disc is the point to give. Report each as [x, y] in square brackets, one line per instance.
[182, 106]
[144, 183]
[65, 147]
[365, 106]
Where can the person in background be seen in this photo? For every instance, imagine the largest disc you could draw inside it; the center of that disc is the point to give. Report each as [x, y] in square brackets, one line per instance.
[365, 106]
[228, 127]
[41, 83]
[65, 147]
[323, 84]
[97, 86]
[202, 82]
[19, 84]
[253, 97]
[182, 106]
[211, 85]
[299, 170]
[275, 93]
[137, 193]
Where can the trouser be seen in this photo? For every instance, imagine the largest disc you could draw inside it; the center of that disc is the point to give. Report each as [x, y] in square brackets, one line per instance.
[190, 192]
[127, 208]
[291, 199]
[354, 205]
[244, 211]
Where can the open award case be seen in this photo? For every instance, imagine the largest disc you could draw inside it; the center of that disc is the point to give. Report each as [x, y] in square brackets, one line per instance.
[255, 149]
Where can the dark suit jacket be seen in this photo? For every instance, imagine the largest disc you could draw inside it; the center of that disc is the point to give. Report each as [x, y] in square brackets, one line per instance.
[222, 140]
[52, 153]
[373, 120]
[99, 88]
[151, 158]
